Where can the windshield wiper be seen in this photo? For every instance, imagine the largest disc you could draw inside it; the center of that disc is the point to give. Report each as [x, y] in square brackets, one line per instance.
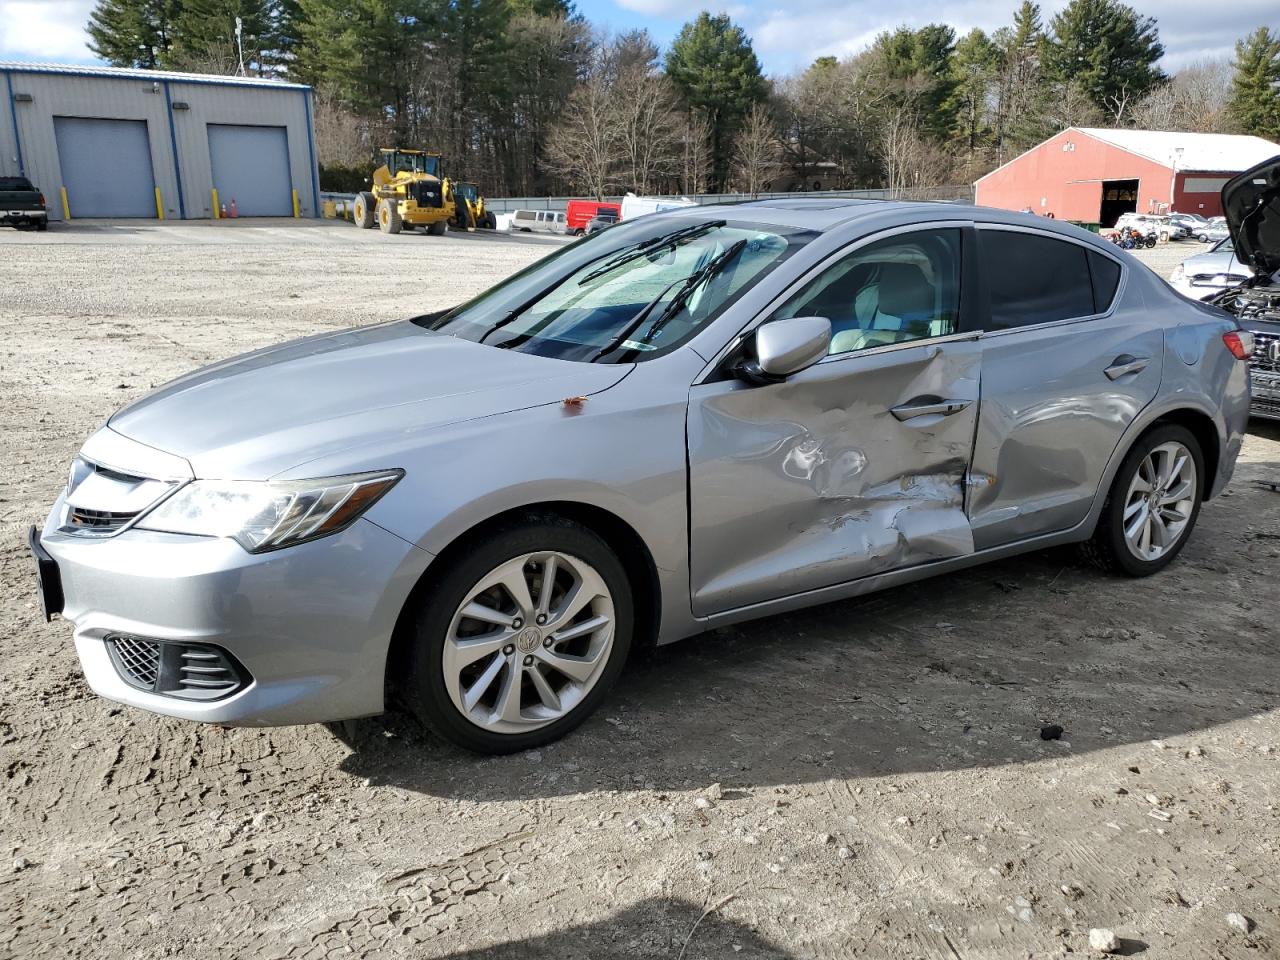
[699, 277]
[689, 284]
[646, 247]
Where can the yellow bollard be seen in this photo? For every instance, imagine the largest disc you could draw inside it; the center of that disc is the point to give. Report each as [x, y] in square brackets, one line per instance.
[296, 214]
[217, 215]
[159, 205]
[66, 207]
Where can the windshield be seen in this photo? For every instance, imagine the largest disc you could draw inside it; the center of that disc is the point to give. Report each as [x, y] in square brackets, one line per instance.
[467, 191]
[1224, 246]
[631, 293]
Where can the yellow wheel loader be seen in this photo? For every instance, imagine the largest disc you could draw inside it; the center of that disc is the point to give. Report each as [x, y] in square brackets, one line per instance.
[409, 191]
[470, 210]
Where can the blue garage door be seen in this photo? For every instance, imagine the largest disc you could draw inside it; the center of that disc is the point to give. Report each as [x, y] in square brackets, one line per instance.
[251, 167]
[106, 167]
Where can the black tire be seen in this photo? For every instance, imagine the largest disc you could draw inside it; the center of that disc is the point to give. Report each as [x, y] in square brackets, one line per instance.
[1203, 238]
[363, 211]
[490, 222]
[389, 216]
[424, 691]
[42, 225]
[1107, 549]
[439, 228]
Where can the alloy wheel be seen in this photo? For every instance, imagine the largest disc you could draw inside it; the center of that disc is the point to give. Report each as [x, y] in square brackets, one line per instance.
[528, 642]
[1160, 501]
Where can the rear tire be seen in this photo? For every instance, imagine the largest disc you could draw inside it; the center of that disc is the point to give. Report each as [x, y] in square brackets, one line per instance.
[439, 228]
[42, 226]
[454, 660]
[389, 216]
[1132, 538]
[362, 212]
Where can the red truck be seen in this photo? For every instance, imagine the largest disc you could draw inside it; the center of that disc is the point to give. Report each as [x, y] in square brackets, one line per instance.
[578, 213]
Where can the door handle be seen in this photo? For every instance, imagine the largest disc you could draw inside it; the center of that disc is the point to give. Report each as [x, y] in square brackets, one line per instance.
[1126, 364]
[928, 406]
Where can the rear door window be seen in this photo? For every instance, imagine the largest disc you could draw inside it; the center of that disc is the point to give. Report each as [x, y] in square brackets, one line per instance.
[1033, 278]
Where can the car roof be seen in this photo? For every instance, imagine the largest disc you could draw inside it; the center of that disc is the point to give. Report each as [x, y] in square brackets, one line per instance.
[825, 213]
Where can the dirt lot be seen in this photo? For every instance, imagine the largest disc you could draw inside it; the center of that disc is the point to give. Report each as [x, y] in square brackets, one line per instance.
[863, 779]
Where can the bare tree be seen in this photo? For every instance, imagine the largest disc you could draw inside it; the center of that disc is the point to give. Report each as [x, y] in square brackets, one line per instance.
[1195, 100]
[343, 137]
[757, 156]
[650, 128]
[586, 146]
[911, 161]
[695, 167]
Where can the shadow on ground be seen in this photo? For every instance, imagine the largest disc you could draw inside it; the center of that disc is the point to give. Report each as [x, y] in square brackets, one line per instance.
[952, 673]
[657, 927]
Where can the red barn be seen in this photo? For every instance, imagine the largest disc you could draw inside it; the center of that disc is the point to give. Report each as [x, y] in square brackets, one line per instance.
[1093, 175]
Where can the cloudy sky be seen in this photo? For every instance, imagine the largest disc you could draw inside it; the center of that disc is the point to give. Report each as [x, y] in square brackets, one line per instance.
[786, 35]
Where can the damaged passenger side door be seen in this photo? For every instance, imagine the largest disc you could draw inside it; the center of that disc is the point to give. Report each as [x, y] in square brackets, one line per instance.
[855, 466]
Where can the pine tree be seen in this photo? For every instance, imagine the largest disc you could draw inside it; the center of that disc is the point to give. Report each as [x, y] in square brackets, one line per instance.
[1108, 50]
[715, 71]
[918, 76]
[976, 68]
[366, 50]
[133, 33]
[206, 33]
[1255, 89]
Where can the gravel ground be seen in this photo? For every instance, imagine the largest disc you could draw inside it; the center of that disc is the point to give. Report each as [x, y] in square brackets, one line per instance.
[861, 779]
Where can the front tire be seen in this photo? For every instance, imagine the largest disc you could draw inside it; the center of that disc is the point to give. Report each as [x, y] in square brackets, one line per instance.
[521, 638]
[1152, 506]
[389, 216]
[362, 211]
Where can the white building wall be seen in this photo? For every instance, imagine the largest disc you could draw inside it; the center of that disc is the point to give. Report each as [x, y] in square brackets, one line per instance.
[147, 96]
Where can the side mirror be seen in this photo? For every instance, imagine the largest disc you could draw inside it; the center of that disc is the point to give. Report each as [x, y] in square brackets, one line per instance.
[785, 347]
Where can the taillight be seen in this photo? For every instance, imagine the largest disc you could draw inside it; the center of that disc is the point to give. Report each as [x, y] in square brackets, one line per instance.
[1240, 343]
[42, 203]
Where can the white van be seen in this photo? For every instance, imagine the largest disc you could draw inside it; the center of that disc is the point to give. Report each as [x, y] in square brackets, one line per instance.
[633, 206]
[538, 221]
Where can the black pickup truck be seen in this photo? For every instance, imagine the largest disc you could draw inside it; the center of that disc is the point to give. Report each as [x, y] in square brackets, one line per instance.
[21, 204]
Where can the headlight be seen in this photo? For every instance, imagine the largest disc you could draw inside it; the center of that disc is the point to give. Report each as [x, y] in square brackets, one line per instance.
[1178, 273]
[268, 516]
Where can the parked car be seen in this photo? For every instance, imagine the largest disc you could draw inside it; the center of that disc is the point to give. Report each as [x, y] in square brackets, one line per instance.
[1162, 228]
[538, 221]
[21, 204]
[1192, 222]
[1251, 201]
[579, 214]
[1206, 274]
[1212, 232]
[601, 220]
[691, 419]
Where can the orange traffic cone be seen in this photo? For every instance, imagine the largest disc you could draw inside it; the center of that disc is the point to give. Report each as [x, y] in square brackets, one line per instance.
[224, 211]
[233, 208]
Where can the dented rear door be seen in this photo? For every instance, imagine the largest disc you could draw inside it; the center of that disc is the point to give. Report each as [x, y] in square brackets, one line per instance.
[818, 481]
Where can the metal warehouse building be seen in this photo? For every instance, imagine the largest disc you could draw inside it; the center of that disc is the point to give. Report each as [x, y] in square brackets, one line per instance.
[1094, 175]
[105, 142]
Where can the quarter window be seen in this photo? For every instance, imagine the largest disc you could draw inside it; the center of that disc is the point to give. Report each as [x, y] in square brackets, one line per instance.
[895, 290]
[1035, 279]
[1105, 274]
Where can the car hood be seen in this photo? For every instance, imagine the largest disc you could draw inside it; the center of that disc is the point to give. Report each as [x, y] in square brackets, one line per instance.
[258, 415]
[1251, 204]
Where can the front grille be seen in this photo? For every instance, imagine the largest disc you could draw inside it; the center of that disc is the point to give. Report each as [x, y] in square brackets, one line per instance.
[138, 661]
[1265, 353]
[101, 501]
[189, 671]
[98, 521]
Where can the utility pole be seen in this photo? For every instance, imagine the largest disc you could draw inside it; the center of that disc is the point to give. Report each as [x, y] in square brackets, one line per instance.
[240, 44]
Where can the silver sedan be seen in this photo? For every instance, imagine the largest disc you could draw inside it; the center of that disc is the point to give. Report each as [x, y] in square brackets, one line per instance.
[690, 419]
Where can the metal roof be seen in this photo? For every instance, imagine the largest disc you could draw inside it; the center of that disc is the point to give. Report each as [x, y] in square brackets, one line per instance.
[127, 73]
[1207, 152]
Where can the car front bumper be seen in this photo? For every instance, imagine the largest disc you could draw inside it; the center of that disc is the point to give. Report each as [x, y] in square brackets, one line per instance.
[310, 625]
